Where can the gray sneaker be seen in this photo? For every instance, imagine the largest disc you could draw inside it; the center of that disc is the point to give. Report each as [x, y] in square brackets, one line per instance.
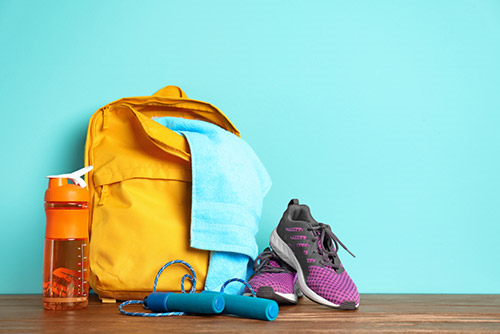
[311, 249]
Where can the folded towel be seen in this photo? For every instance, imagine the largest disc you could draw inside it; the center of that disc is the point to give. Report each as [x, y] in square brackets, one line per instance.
[228, 187]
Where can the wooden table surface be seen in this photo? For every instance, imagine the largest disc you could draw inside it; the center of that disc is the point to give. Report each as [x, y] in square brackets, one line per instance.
[377, 314]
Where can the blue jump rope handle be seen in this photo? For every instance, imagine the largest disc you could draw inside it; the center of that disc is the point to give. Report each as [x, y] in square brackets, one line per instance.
[248, 307]
[185, 302]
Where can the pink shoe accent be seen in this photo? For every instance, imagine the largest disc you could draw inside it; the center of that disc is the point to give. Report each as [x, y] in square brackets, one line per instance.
[293, 229]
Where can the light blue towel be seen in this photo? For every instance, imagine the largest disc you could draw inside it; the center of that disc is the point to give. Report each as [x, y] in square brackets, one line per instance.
[228, 187]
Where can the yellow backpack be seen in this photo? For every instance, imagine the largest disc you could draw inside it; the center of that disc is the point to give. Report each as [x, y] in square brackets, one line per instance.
[140, 191]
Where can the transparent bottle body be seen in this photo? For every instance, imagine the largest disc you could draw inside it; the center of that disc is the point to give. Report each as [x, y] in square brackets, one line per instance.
[65, 268]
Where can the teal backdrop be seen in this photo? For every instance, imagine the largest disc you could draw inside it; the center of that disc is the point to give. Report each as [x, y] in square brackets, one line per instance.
[382, 116]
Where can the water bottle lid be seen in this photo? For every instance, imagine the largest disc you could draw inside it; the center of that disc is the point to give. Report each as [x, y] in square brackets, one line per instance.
[61, 191]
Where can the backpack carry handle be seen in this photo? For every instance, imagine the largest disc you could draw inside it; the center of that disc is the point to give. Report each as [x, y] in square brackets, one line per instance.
[172, 92]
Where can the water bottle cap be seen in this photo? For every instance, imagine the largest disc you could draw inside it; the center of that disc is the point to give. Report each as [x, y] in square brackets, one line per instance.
[61, 191]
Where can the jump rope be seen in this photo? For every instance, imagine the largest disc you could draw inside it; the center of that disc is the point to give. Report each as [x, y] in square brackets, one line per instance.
[165, 304]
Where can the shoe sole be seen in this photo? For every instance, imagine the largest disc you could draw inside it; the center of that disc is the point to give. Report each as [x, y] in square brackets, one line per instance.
[296, 289]
[286, 254]
[269, 293]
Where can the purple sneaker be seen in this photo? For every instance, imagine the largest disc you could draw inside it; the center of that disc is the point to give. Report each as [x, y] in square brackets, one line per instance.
[273, 279]
[311, 248]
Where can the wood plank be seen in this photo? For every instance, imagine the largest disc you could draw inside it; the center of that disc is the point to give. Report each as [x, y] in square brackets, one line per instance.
[377, 314]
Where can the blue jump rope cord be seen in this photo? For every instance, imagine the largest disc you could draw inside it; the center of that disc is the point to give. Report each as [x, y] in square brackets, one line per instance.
[238, 280]
[191, 277]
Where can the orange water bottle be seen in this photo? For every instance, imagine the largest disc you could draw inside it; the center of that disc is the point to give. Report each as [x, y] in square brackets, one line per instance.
[65, 261]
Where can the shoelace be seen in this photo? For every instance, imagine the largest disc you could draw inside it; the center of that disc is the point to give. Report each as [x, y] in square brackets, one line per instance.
[327, 240]
[262, 263]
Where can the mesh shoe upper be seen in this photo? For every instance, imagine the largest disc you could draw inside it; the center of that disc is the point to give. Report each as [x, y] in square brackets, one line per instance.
[334, 287]
[270, 271]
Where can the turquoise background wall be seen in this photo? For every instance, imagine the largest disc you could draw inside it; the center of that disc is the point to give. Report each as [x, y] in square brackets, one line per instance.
[383, 116]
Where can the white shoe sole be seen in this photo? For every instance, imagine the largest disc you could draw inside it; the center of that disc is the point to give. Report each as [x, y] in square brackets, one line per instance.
[279, 297]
